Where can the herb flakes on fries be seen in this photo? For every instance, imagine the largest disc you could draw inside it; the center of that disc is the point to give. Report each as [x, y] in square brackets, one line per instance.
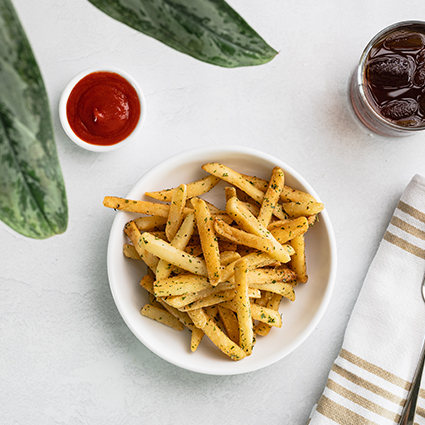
[221, 272]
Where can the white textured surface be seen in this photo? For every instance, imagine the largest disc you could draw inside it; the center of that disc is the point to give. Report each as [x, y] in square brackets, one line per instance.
[66, 355]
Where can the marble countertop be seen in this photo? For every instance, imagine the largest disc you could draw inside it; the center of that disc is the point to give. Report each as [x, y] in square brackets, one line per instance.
[66, 355]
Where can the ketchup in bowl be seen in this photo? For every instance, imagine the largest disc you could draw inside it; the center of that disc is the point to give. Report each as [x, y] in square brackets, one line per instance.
[103, 108]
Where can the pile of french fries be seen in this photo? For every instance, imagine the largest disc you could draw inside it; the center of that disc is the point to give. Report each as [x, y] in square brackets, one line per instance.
[221, 272]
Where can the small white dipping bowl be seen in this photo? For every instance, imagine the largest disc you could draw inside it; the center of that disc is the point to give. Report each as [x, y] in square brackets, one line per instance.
[89, 146]
[299, 317]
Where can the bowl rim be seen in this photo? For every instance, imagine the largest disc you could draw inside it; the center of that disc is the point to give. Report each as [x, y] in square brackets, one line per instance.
[232, 149]
[64, 99]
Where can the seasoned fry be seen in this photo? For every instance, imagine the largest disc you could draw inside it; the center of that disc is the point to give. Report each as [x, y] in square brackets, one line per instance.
[298, 259]
[271, 197]
[210, 300]
[262, 328]
[147, 282]
[220, 339]
[179, 301]
[196, 188]
[161, 316]
[181, 285]
[230, 192]
[130, 252]
[242, 238]
[283, 274]
[285, 230]
[134, 235]
[180, 241]
[149, 223]
[141, 207]
[293, 195]
[298, 209]
[233, 177]
[254, 260]
[209, 242]
[249, 223]
[281, 288]
[260, 313]
[288, 194]
[243, 307]
[227, 257]
[183, 317]
[195, 338]
[172, 255]
[230, 322]
[175, 215]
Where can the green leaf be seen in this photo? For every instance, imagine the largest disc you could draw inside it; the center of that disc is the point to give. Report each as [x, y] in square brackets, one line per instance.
[208, 30]
[32, 192]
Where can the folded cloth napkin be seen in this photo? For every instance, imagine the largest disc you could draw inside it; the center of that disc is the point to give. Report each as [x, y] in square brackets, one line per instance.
[371, 377]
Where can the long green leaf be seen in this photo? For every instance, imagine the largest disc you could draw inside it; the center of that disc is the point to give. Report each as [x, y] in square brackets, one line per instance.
[32, 192]
[208, 30]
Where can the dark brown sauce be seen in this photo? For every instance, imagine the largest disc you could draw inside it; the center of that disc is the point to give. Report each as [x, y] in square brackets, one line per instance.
[395, 76]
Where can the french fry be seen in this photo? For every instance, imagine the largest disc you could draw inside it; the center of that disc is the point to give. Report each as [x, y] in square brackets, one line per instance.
[230, 192]
[182, 316]
[263, 328]
[209, 242]
[172, 255]
[227, 257]
[261, 276]
[298, 209]
[161, 316]
[293, 195]
[210, 300]
[181, 285]
[271, 197]
[254, 260]
[147, 282]
[243, 309]
[241, 237]
[288, 194]
[149, 223]
[254, 209]
[285, 230]
[175, 215]
[233, 177]
[134, 235]
[219, 338]
[249, 223]
[281, 288]
[260, 313]
[180, 301]
[141, 207]
[195, 338]
[196, 188]
[130, 252]
[180, 241]
[298, 263]
[230, 322]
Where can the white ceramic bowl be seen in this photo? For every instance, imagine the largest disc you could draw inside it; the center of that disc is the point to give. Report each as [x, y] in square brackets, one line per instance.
[97, 148]
[299, 317]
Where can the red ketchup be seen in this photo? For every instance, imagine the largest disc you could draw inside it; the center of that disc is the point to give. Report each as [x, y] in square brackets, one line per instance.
[103, 108]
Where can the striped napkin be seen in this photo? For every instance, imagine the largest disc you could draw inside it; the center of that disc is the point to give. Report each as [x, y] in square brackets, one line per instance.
[370, 379]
